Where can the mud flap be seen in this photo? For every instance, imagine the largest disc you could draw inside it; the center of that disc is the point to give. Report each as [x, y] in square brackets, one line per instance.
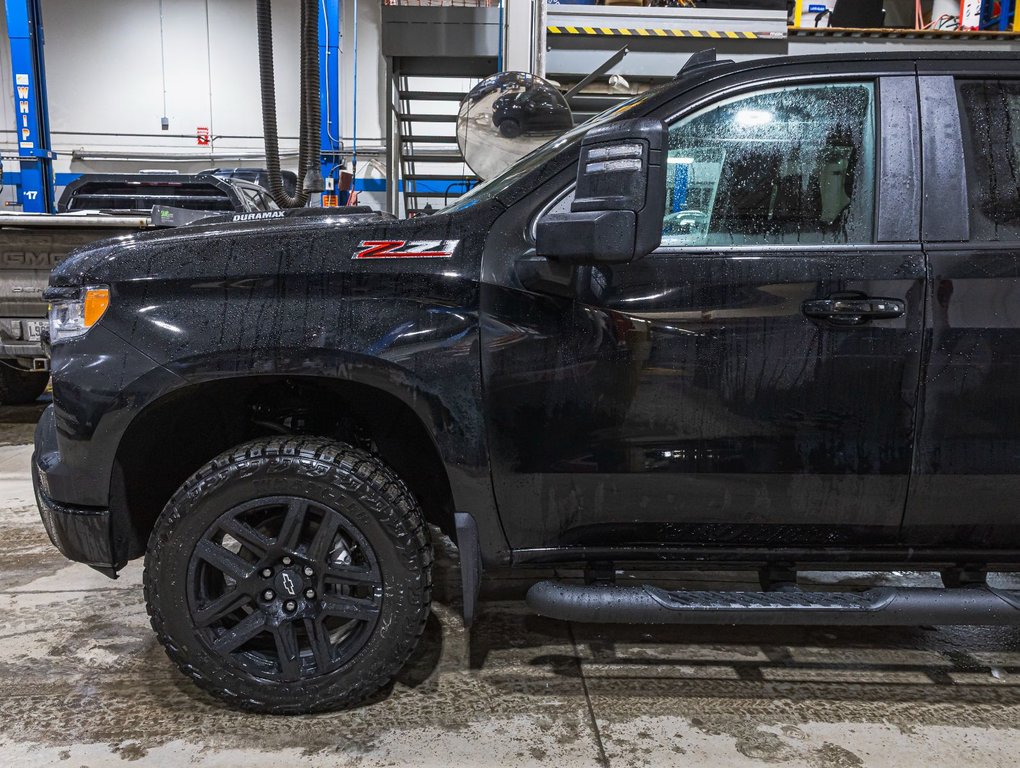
[470, 563]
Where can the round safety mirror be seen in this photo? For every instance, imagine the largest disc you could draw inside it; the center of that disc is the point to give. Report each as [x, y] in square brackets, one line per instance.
[505, 117]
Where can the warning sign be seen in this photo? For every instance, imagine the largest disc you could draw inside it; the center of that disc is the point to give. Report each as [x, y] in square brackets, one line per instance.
[202, 135]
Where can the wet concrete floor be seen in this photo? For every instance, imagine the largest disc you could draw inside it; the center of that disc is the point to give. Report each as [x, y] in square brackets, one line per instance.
[84, 683]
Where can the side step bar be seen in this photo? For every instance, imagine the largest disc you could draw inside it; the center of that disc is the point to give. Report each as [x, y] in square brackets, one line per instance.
[611, 604]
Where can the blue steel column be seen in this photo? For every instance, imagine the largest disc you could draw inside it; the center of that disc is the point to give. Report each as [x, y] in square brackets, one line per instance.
[24, 27]
[329, 85]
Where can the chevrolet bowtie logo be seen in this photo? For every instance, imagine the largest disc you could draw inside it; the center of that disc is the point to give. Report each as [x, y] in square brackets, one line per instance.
[288, 584]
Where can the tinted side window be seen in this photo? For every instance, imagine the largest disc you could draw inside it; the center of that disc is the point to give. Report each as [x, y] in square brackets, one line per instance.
[784, 166]
[991, 135]
[252, 198]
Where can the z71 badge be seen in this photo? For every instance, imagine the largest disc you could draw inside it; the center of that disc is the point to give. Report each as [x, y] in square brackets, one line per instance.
[406, 249]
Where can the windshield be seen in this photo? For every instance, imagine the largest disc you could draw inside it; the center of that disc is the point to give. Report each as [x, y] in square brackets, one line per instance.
[539, 157]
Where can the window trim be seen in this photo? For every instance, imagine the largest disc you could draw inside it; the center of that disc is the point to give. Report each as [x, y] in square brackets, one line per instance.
[898, 186]
[943, 166]
[791, 250]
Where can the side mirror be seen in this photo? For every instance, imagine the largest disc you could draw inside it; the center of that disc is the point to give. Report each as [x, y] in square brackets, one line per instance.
[617, 212]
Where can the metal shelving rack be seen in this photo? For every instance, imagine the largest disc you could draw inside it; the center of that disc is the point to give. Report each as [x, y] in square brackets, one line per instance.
[580, 38]
[999, 28]
[904, 34]
[658, 40]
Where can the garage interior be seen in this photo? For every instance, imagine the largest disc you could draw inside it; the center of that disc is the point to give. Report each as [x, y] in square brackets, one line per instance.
[171, 89]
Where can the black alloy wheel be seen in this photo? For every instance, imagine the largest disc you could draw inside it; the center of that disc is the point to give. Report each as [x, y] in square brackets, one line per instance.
[284, 587]
[290, 575]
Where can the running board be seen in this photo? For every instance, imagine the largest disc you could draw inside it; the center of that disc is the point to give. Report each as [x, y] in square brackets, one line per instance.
[611, 604]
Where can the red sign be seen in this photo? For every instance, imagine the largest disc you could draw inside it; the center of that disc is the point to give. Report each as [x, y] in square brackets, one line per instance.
[202, 135]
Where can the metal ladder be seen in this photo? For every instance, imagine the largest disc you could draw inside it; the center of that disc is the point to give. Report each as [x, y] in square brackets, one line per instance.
[432, 167]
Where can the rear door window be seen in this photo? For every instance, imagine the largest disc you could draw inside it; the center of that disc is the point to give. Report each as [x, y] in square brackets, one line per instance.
[791, 165]
[990, 111]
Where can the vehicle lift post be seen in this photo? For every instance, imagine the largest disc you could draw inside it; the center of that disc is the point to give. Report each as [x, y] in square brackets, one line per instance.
[25, 29]
[329, 93]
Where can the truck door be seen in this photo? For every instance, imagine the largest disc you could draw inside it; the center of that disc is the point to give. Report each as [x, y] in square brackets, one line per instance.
[968, 459]
[751, 383]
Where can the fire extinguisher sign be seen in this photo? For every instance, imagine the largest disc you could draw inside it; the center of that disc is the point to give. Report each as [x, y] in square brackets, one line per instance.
[970, 14]
[202, 135]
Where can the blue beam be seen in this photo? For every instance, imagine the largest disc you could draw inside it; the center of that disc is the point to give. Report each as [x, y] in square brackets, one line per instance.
[329, 86]
[24, 27]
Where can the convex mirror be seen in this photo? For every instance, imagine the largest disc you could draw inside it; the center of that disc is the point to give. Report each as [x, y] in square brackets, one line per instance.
[505, 117]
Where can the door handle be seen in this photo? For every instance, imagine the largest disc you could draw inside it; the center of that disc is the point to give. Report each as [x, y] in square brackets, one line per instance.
[855, 311]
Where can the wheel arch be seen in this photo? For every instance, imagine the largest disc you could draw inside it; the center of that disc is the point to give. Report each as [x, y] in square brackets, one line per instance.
[174, 435]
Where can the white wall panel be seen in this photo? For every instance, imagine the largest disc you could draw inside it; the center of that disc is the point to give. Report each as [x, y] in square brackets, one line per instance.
[105, 79]
[236, 98]
[188, 85]
[371, 74]
[7, 136]
[103, 65]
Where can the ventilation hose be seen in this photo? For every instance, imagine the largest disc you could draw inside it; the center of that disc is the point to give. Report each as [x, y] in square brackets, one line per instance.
[309, 176]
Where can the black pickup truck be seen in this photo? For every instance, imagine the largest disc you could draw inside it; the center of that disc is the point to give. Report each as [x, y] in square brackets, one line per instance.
[766, 316]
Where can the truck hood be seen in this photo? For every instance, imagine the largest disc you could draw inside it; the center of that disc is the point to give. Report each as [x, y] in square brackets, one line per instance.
[150, 254]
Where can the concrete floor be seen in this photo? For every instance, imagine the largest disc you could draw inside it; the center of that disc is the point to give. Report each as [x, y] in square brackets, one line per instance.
[84, 683]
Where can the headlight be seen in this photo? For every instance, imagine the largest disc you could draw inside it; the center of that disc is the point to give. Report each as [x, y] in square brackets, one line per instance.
[71, 318]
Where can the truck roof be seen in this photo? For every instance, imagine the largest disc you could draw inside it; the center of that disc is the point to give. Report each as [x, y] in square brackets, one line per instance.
[848, 56]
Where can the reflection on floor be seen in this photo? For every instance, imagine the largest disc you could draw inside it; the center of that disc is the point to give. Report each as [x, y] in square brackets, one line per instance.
[83, 682]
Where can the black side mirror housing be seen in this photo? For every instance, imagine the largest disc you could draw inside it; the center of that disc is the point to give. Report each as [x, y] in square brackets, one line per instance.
[617, 212]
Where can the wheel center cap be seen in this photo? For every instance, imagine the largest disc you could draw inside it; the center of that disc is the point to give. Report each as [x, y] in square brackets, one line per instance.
[289, 583]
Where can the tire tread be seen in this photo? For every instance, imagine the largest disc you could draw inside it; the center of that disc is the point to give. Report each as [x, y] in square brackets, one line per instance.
[371, 470]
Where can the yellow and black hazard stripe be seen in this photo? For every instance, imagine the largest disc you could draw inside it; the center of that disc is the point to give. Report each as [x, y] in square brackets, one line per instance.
[711, 34]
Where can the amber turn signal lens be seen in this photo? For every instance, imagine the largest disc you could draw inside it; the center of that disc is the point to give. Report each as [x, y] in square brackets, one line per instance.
[96, 302]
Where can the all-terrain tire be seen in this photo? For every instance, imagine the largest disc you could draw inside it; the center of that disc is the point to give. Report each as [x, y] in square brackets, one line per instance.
[21, 387]
[367, 494]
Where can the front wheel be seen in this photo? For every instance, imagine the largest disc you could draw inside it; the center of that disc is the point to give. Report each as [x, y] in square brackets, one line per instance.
[510, 128]
[290, 575]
